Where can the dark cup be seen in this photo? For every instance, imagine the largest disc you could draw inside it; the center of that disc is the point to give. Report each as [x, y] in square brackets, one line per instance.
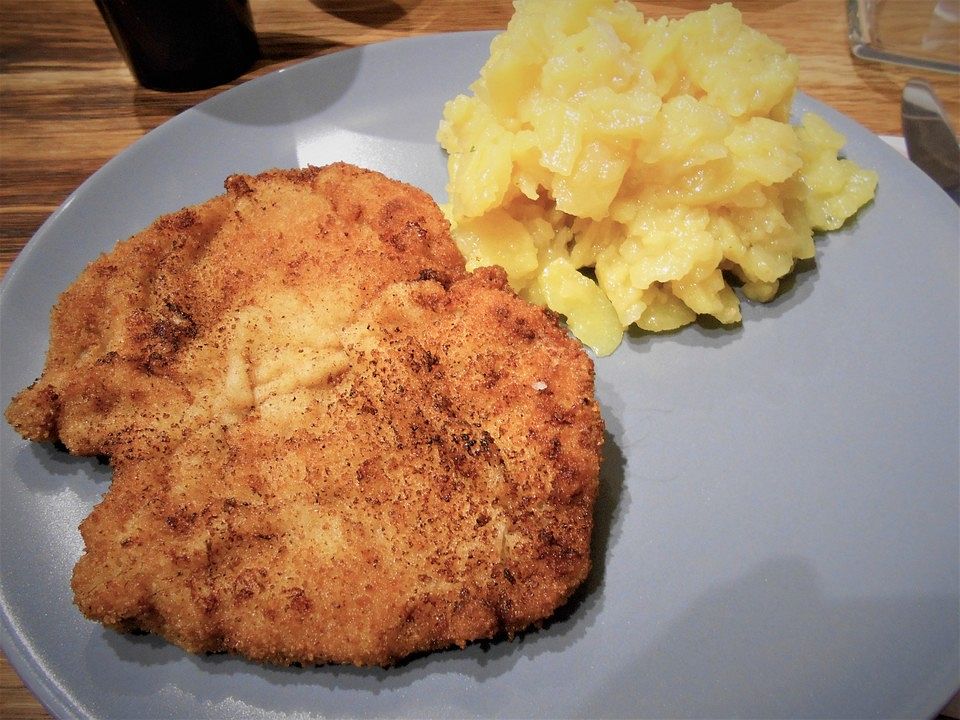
[182, 44]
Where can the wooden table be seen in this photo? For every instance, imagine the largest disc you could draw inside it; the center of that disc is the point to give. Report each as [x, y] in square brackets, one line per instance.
[68, 103]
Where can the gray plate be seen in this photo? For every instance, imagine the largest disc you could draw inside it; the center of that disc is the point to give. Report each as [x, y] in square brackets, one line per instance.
[778, 520]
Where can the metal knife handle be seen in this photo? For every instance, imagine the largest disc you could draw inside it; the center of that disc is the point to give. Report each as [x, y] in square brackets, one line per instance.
[931, 142]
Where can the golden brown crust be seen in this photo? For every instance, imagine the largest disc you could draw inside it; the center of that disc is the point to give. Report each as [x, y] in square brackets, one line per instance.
[151, 316]
[329, 443]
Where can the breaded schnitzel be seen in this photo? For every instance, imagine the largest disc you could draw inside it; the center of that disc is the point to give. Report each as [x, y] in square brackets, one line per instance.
[329, 443]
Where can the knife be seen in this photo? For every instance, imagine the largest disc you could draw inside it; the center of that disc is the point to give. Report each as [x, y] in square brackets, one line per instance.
[931, 142]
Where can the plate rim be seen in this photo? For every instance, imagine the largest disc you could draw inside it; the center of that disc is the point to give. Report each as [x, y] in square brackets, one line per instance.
[41, 684]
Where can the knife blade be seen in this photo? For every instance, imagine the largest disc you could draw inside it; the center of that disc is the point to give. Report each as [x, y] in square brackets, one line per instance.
[931, 142]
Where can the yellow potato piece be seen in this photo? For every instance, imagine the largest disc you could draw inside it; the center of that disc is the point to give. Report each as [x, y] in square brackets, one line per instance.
[659, 153]
[590, 316]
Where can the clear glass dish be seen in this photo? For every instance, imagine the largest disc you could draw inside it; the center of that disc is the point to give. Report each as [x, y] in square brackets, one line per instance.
[916, 33]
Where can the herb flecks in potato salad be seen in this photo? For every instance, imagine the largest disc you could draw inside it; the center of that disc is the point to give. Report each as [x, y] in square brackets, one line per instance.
[658, 153]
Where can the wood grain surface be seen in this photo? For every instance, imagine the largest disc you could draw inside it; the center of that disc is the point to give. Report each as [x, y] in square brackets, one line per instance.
[68, 103]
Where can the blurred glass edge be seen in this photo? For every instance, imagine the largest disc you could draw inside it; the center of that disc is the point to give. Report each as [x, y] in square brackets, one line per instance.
[866, 44]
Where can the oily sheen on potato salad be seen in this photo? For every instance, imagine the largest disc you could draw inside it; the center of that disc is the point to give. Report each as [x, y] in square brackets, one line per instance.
[625, 170]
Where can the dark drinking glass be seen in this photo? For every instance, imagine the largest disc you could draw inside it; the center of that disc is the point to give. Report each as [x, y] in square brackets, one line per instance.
[182, 44]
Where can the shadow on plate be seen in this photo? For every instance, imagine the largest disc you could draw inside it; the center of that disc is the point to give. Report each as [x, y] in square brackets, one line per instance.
[276, 49]
[58, 469]
[306, 92]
